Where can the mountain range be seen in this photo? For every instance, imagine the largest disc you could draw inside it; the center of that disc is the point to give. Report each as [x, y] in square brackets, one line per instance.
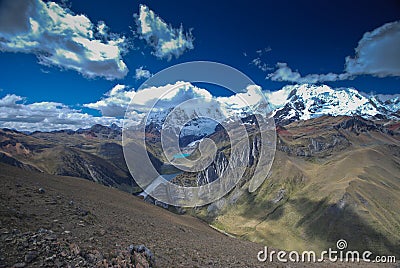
[289, 104]
[335, 173]
[304, 102]
[332, 178]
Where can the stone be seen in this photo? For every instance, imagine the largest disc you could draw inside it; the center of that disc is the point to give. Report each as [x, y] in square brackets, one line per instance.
[30, 256]
[74, 249]
[102, 232]
[51, 237]
[141, 251]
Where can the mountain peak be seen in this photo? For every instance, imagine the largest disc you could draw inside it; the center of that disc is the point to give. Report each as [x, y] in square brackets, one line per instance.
[308, 101]
[291, 103]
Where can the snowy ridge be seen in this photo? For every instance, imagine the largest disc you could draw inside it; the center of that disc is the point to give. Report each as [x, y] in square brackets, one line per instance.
[190, 110]
[291, 103]
[306, 101]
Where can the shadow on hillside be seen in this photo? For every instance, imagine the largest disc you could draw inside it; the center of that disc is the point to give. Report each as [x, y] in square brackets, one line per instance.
[264, 210]
[329, 223]
[325, 222]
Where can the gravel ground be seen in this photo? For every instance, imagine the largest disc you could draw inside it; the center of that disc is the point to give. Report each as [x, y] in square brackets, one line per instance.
[59, 221]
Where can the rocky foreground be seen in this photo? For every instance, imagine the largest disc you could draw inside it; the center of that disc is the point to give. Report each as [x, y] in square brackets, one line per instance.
[45, 248]
[54, 221]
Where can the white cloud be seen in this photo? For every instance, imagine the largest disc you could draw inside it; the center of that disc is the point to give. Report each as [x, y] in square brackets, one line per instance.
[159, 100]
[166, 40]
[278, 98]
[45, 116]
[60, 38]
[171, 95]
[115, 101]
[10, 100]
[386, 97]
[252, 100]
[197, 101]
[377, 53]
[142, 73]
[263, 51]
[285, 73]
[260, 64]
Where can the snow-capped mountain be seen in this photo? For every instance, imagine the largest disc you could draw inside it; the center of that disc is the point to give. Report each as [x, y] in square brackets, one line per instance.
[191, 111]
[291, 103]
[389, 103]
[309, 101]
[185, 121]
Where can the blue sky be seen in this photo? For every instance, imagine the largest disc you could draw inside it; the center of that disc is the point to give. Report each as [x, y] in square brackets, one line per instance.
[275, 43]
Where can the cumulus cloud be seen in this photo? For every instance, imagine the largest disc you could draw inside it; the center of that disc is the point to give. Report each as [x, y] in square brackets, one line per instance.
[45, 116]
[166, 40]
[171, 95]
[278, 98]
[61, 38]
[190, 98]
[377, 54]
[142, 73]
[284, 73]
[10, 100]
[252, 100]
[157, 99]
[114, 102]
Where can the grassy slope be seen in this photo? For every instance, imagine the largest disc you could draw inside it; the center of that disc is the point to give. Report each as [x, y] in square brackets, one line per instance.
[350, 194]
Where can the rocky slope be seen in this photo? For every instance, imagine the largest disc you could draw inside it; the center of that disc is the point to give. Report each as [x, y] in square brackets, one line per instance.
[332, 178]
[94, 154]
[60, 221]
[50, 221]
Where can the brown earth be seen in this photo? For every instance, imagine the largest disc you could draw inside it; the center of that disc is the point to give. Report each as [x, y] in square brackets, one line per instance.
[103, 222]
